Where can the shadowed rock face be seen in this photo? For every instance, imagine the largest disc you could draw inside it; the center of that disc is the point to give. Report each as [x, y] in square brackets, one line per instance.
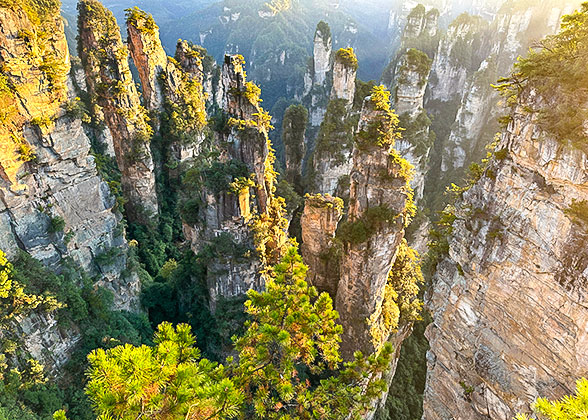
[319, 223]
[510, 322]
[61, 182]
[105, 62]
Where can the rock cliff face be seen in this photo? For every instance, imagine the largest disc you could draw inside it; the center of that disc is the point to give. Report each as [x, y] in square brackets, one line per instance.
[465, 37]
[148, 55]
[173, 89]
[323, 47]
[411, 82]
[109, 80]
[320, 252]
[464, 83]
[247, 216]
[344, 73]
[53, 204]
[379, 196]
[331, 158]
[294, 138]
[508, 303]
[317, 75]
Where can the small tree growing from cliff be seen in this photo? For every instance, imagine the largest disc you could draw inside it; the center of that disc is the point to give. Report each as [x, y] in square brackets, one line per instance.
[288, 367]
[568, 408]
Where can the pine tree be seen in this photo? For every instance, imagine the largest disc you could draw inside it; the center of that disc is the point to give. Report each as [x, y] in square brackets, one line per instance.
[288, 365]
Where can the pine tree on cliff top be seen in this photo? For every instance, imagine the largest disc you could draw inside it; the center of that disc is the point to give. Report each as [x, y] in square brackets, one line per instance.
[288, 365]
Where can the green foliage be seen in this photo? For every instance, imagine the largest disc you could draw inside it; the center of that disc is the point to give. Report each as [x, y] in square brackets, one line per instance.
[324, 30]
[294, 125]
[37, 11]
[578, 213]
[405, 397]
[75, 109]
[347, 57]
[417, 133]
[174, 383]
[417, 61]
[336, 131]
[293, 200]
[362, 91]
[141, 20]
[285, 365]
[571, 407]
[42, 121]
[217, 177]
[26, 286]
[56, 224]
[555, 71]
[360, 230]
[383, 130]
[185, 116]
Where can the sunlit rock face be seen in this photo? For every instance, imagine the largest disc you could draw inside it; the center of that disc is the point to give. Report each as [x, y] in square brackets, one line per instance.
[510, 322]
[148, 55]
[53, 204]
[323, 47]
[343, 80]
[365, 264]
[109, 78]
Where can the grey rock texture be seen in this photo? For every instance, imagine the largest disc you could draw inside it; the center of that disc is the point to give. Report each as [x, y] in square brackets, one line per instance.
[109, 78]
[510, 321]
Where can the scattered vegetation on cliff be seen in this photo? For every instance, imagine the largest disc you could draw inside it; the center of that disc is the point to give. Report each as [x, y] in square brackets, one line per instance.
[324, 30]
[141, 20]
[384, 130]
[335, 133]
[415, 61]
[417, 133]
[555, 71]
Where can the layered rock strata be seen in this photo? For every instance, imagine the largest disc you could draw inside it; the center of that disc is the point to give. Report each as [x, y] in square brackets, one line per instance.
[109, 81]
[510, 322]
[53, 204]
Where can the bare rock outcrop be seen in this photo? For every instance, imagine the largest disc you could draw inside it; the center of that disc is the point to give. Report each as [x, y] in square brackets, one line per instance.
[246, 216]
[53, 204]
[148, 55]
[344, 73]
[323, 47]
[109, 80]
[320, 252]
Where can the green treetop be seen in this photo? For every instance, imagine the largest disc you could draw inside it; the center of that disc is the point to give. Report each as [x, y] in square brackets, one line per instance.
[288, 365]
[557, 72]
[568, 408]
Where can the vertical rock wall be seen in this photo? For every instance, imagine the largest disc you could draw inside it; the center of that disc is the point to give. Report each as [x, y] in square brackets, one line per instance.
[379, 196]
[510, 322]
[320, 252]
[53, 204]
[109, 80]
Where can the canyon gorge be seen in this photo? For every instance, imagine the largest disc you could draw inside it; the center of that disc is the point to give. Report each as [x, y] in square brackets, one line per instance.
[290, 212]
